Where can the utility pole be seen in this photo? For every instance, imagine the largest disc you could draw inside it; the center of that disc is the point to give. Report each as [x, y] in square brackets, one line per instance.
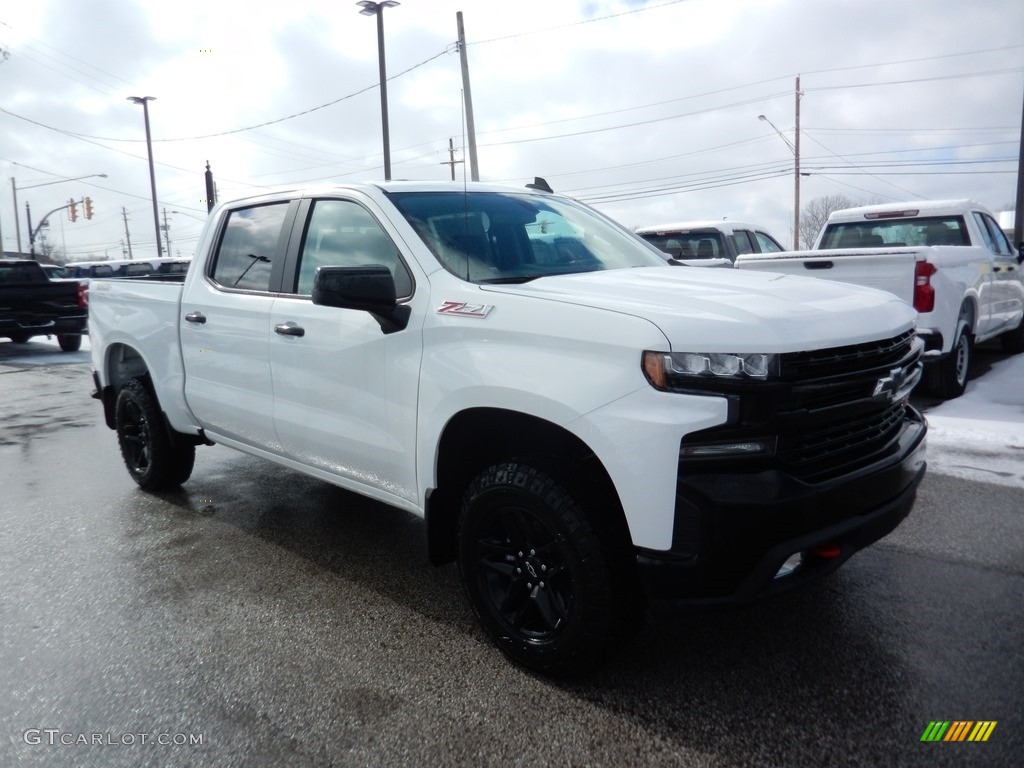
[17, 224]
[452, 162]
[796, 173]
[167, 233]
[1018, 216]
[127, 234]
[31, 237]
[474, 169]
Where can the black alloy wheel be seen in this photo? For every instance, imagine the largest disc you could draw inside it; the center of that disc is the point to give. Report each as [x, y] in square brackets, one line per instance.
[155, 458]
[535, 572]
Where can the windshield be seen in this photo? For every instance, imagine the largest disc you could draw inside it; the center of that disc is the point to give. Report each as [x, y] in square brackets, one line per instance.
[495, 237]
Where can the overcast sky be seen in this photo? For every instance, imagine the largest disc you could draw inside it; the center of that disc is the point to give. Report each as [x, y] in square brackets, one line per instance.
[647, 110]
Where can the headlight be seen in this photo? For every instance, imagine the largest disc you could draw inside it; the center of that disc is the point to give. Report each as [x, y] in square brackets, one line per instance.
[670, 370]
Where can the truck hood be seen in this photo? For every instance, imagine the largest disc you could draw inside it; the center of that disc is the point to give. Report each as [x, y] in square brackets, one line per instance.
[732, 311]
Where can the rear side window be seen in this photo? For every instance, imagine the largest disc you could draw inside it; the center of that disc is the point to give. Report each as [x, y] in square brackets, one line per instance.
[994, 237]
[741, 239]
[248, 247]
[767, 244]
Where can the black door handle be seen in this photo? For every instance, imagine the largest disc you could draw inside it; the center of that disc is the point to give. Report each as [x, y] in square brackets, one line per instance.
[290, 329]
[195, 317]
[817, 265]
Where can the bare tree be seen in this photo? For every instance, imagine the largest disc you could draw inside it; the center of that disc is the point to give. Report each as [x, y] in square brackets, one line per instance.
[816, 213]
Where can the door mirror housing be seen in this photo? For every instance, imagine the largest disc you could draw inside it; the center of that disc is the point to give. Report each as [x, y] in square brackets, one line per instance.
[368, 288]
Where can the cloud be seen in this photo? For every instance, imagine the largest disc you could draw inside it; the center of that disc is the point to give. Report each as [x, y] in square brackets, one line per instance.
[647, 109]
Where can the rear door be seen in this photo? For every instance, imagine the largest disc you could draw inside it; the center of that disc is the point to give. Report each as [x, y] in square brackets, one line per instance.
[1007, 294]
[225, 326]
[344, 391]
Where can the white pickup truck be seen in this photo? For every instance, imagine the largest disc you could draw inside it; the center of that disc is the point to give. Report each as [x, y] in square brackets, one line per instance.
[948, 259]
[586, 429]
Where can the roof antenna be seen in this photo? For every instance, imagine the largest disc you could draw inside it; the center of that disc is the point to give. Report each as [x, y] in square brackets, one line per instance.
[540, 185]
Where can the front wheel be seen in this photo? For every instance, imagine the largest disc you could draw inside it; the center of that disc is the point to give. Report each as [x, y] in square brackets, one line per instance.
[948, 377]
[69, 342]
[536, 574]
[155, 457]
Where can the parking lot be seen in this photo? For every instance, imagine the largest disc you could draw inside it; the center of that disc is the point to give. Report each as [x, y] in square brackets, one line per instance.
[258, 617]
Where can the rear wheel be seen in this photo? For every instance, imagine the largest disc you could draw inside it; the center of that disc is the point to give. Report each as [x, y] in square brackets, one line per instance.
[948, 377]
[69, 342]
[156, 458]
[20, 337]
[536, 573]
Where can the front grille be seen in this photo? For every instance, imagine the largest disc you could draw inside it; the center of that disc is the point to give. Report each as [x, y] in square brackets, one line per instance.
[855, 358]
[832, 413]
[842, 448]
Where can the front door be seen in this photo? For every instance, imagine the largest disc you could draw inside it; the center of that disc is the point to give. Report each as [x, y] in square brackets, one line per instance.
[344, 391]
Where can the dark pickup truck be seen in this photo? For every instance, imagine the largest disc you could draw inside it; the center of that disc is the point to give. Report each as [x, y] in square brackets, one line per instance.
[33, 305]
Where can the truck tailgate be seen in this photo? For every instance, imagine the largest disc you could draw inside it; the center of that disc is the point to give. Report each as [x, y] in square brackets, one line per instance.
[889, 270]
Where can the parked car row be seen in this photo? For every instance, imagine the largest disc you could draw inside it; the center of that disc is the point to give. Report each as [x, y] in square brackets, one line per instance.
[126, 268]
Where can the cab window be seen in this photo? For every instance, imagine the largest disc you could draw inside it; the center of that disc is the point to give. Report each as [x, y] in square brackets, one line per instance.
[766, 243]
[741, 239]
[342, 233]
[994, 237]
[248, 246]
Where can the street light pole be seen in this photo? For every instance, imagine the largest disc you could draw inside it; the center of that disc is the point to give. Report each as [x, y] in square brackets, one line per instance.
[370, 8]
[143, 100]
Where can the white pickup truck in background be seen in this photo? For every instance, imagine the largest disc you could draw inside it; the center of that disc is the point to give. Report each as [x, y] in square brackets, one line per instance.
[709, 243]
[948, 259]
[584, 427]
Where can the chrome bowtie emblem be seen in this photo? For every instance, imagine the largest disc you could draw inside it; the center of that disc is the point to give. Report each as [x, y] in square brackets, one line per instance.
[892, 384]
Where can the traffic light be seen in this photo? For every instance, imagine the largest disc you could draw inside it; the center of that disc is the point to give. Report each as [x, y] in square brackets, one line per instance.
[73, 210]
[87, 204]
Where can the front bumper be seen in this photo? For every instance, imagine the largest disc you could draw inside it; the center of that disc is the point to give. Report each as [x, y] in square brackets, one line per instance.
[734, 531]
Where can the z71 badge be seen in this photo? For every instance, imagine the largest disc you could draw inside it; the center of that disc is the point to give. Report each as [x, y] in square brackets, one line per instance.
[462, 309]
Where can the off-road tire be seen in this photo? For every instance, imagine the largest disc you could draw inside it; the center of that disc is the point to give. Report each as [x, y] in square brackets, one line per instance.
[536, 574]
[156, 458]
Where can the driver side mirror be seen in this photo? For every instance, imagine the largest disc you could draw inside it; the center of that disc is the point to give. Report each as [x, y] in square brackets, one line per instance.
[368, 288]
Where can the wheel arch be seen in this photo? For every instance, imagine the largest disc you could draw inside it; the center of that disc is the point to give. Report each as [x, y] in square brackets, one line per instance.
[121, 363]
[969, 309]
[477, 438]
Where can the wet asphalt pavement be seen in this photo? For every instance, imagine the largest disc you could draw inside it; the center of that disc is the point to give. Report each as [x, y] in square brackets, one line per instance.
[278, 621]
